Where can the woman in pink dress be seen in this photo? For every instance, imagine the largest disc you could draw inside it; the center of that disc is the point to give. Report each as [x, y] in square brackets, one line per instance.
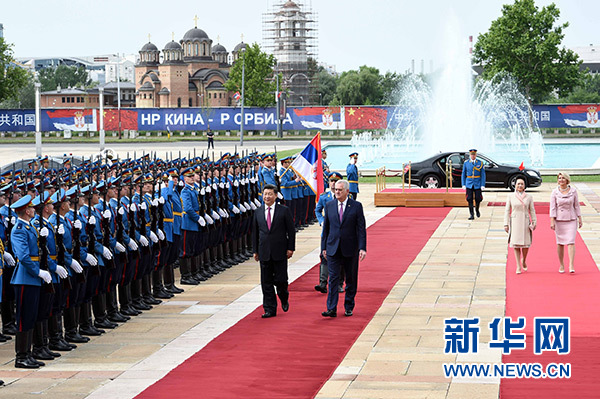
[565, 216]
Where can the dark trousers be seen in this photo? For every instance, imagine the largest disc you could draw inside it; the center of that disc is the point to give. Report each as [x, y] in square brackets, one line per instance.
[27, 298]
[211, 143]
[354, 196]
[349, 265]
[474, 194]
[324, 271]
[273, 274]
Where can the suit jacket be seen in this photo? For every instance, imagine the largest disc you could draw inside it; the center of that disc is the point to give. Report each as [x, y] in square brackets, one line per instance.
[273, 244]
[350, 235]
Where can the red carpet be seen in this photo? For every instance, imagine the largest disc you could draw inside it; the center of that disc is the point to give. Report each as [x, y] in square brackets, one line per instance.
[295, 353]
[542, 291]
[422, 190]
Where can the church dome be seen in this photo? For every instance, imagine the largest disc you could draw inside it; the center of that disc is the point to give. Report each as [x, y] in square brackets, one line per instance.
[195, 34]
[172, 45]
[218, 48]
[149, 47]
[240, 46]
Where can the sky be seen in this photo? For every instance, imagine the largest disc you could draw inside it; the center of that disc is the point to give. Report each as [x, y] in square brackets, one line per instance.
[386, 34]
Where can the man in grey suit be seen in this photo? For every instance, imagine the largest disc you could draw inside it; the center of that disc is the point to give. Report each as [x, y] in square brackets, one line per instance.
[344, 242]
[274, 241]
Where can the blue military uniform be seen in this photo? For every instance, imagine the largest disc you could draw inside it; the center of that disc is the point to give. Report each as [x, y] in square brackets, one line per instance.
[352, 176]
[473, 179]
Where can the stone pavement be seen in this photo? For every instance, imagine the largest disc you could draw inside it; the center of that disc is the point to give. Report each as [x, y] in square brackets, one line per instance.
[460, 272]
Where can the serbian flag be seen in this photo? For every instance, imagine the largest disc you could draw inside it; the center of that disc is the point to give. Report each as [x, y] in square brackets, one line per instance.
[237, 96]
[309, 165]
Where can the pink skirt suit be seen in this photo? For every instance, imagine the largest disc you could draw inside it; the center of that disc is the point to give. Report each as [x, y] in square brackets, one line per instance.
[565, 209]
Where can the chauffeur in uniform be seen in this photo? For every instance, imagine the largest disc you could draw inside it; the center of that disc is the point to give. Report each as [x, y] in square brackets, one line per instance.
[473, 180]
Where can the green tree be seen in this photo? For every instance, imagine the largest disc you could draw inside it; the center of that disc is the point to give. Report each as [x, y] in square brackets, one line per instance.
[585, 93]
[526, 43]
[362, 87]
[327, 84]
[12, 77]
[259, 84]
[389, 83]
[63, 76]
[25, 97]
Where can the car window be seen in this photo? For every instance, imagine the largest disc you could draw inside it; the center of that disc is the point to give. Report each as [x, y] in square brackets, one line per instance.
[485, 161]
[456, 160]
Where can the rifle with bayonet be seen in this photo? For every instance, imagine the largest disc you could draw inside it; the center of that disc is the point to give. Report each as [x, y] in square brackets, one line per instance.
[106, 233]
[61, 250]
[43, 241]
[90, 228]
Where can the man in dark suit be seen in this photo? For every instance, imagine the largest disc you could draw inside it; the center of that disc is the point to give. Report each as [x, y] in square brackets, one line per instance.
[344, 242]
[274, 242]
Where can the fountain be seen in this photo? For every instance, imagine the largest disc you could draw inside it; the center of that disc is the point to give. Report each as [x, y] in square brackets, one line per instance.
[451, 113]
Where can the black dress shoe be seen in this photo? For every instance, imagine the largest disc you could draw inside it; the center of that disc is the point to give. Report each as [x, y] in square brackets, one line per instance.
[2, 338]
[60, 345]
[348, 313]
[477, 213]
[104, 323]
[48, 351]
[5, 337]
[89, 330]
[139, 304]
[129, 311]
[41, 354]
[285, 306]
[34, 361]
[26, 364]
[150, 300]
[266, 315]
[162, 293]
[76, 337]
[471, 217]
[321, 288]
[173, 289]
[9, 329]
[329, 313]
[189, 281]
[117, 318]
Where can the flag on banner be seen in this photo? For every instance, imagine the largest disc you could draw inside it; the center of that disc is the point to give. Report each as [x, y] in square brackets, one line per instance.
[309, 165]
[237, 96]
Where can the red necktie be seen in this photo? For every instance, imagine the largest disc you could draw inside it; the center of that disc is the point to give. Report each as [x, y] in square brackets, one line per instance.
[269, 218]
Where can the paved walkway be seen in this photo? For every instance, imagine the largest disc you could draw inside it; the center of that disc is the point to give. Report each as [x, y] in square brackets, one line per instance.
[459, 272]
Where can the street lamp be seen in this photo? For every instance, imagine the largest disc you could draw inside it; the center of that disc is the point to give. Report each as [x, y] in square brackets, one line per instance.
[38, 117]
[320, 98]
[243, 50]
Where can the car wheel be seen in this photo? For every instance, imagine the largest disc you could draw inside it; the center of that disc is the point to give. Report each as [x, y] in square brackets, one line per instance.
[513, 181]
[430, 181]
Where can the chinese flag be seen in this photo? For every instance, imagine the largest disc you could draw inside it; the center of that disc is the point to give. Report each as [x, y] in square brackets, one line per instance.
[128, 119]
[366, 118]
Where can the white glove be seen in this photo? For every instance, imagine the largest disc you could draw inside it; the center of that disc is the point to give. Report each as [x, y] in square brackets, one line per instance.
[227, 185]
[153, 237]
[482, 187]
[143, 206]
[106, 214]
[44, 232]
[208, 219]
[236, 210]
[13, 220]
[222, 213]
[214, 187]
[202, 191]
[154, 202]
[464, 187]
[208, 189]
[77, 224]
[161, 235]
[144, 241]
[247, 206]
[181, 183]
[236, 183]
[61, 229]
[215, 215]
[242, 208]
[252, 206]
[91, 259]
[201, 221]
[121, 211]
[106, 254]
[161, 200]
[132, 245]
[119, 247]
[221, 185]
[279, 196]
[8, 258]
[45, 275]
[61, 271]
[76, 266]
[92, 220]
[132, 208]
[5, 222]
[257, 202]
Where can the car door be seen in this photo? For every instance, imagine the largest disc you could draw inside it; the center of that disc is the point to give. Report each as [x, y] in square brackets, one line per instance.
[457, 160]
[494, 177]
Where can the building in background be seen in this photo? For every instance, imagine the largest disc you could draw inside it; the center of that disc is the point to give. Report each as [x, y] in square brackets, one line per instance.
[90, 98]
[590, 55]
[1, 30]
[188, 73]
[290, 34]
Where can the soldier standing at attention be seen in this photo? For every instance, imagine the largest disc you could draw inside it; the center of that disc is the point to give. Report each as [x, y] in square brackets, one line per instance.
[473, 180]
[352, 175]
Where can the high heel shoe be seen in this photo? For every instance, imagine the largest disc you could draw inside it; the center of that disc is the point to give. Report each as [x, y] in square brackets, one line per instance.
[524, 267]
[518, 272]
[561, 269]
[571, 270]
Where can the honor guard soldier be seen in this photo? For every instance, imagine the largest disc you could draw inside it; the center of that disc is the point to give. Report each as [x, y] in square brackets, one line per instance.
[7, 222]
[352, 175]
[191, 224]
[473, 180]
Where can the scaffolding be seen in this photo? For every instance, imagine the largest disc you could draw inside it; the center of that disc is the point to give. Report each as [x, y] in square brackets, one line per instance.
[290, 34]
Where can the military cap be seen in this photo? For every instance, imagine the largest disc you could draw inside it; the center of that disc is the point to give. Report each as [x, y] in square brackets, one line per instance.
[335, 176]
[59, 196]
[86, 190]
[22, 203]
[189, 172]
[286, 159]
[473, 151]
[148, 178]
[354, 154]
[42, 199]
[73, 192]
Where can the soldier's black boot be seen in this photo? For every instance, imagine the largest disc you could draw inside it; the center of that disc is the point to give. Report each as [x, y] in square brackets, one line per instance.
[214, 259]
[471, 212]
[220, 258]
[45, 340]
[57, 343]
[186, 274]
[72, 326]
[208, 266]
[477, 209]
[125, 302]
[248, 245]
[112, 307]
[100, 316]
[136, 293]
[86, 327]
[158, 290]
[22, 360]
[201, 273]
[8, 318]
[38, 351]
[169, 278]
[147, 291]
